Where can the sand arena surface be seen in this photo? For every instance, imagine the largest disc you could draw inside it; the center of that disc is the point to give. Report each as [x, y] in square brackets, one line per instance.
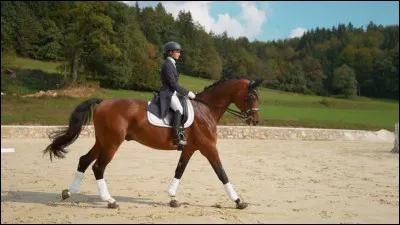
[283, 182]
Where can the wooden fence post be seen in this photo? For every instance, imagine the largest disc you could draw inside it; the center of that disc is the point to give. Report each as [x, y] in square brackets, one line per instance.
[396, 138]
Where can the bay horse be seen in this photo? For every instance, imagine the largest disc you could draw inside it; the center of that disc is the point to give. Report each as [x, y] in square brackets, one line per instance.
[119, 119]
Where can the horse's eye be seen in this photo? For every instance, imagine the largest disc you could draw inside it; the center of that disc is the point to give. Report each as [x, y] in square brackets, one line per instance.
[251, 98]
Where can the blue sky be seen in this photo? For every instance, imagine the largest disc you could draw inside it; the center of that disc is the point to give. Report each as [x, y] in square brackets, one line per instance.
[272, 20]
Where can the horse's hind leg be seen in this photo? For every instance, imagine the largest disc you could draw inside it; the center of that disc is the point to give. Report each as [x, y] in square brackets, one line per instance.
[99, 167]
[183, 161]
[213, 157]
[84, 162]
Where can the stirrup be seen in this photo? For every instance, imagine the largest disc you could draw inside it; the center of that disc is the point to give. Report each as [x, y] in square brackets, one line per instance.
[176, 143]
[179, 142]
[182, 138]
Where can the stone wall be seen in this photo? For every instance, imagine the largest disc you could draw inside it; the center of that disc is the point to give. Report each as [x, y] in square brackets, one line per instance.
[229, 132]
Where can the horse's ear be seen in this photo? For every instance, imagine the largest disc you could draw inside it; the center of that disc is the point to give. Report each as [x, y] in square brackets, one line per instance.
[257, 83]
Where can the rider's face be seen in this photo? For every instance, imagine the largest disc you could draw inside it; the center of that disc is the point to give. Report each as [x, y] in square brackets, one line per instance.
[175, 54]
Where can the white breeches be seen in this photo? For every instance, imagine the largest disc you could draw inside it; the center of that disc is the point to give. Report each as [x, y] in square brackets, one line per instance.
[175, 104]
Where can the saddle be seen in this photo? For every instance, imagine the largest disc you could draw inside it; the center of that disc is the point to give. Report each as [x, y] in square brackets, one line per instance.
[187, 118]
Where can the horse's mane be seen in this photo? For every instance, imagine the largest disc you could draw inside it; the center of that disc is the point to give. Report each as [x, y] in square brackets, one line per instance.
[223, 81]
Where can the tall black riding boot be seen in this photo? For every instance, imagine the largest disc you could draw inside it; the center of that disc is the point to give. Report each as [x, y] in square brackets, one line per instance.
[179, 137]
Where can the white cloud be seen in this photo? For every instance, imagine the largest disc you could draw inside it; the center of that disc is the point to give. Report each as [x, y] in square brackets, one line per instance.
[254, 18]
[142, 4]
[298, 32]
[248, 23]
[199, 10]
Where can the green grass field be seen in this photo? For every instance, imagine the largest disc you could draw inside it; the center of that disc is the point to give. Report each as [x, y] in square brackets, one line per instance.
[276, 108]
[25, 63]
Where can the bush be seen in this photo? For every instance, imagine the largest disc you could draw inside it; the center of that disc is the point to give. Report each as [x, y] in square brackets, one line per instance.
[327, 102]
[30, 81]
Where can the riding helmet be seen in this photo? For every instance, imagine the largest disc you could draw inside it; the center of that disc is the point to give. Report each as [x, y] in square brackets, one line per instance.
[172, 45]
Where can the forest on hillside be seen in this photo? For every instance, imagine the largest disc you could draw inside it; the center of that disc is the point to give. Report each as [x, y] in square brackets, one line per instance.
[121, 46]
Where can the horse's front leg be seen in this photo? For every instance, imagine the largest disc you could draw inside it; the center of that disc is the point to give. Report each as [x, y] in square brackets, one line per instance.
[213, 157]
[173, 186]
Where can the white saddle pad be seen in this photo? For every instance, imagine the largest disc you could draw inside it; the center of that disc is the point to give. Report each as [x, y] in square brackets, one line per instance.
[164, 122]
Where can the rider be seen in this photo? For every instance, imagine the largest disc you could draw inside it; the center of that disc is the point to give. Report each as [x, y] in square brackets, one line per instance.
[169, 90]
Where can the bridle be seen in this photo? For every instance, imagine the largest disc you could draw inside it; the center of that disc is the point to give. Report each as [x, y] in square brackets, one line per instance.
[244, 116]
[251, 98]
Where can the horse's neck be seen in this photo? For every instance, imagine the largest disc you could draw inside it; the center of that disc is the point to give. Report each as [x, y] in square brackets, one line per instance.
[218, 100]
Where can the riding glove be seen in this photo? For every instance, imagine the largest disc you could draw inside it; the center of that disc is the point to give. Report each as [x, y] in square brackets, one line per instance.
[191, 95]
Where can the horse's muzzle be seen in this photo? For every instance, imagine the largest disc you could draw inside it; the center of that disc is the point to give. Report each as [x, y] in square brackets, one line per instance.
[249, 121]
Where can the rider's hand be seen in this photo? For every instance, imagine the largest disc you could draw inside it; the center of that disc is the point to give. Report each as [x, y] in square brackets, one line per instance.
[191, 95]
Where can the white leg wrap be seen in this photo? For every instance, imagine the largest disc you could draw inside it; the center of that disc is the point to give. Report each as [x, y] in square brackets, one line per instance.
[172, 187]
[76, 184]
[104, 195]
[231, 193]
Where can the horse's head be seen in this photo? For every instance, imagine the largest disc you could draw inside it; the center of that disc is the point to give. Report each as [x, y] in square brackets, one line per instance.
[247, 101]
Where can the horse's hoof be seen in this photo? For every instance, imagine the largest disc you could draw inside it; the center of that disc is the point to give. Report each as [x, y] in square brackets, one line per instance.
[174, 203]
[113, 205]
[65, 194]
[241, 205]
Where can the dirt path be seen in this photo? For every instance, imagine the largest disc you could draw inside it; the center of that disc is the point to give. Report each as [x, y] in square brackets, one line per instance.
[283, 182]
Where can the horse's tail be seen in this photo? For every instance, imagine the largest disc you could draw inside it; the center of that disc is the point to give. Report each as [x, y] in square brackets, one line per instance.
[63, 138]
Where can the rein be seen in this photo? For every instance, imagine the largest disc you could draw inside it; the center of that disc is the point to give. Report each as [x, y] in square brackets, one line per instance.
[242, 115]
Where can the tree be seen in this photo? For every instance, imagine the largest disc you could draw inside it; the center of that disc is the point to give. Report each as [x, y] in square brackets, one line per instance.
[314, 74]
[344, 79]
[137, 7]
[137, 67]
[28, 30]
[206, 61]
[350, 27]
[50, 44]
[363, 67]
[7, 51]
[89, 33]
[150, 25]
[347, 56]
[121, 46]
